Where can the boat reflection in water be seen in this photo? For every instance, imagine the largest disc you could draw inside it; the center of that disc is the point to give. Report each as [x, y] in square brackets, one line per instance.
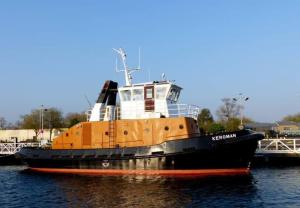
[264, 187]
[151, 191]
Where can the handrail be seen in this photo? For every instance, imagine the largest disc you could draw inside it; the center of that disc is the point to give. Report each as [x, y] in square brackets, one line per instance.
[172, 110]
[279, 146]
[12, 148]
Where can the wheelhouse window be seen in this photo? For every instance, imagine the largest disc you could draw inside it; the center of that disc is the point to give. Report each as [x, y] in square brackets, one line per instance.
[174, 94]
[149, 93]
[126, 95]
[160, 93]
[138, 94]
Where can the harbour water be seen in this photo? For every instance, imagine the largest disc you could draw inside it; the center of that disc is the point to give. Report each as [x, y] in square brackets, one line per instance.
[264, 187]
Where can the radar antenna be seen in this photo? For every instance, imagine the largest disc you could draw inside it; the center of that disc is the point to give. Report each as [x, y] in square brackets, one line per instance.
[128, 71]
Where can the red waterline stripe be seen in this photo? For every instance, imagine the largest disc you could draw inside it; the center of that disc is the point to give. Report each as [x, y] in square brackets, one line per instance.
[200, 172]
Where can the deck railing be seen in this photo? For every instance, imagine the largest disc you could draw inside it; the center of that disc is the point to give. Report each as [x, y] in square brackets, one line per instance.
[12, 148]
[186, 110]
[170, 110]
[280, 145]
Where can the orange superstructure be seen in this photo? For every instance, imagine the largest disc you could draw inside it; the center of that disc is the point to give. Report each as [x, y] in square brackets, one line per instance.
[126, 133]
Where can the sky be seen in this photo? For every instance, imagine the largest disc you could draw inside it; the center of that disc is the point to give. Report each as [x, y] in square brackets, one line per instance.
[56, 52]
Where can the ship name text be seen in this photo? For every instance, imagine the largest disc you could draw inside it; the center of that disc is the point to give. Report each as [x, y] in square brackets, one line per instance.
[222, 137]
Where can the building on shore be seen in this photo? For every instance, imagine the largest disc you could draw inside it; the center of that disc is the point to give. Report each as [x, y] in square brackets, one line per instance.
[277, 129]
[26, 135]
[287, 128]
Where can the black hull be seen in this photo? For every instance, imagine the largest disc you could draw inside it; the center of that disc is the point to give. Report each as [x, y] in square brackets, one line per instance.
[276, 159]
[222, 152]
[9, 160]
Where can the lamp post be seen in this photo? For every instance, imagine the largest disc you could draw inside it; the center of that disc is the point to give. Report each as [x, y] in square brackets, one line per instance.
[241, 99]
[42, 109]
[50, 126]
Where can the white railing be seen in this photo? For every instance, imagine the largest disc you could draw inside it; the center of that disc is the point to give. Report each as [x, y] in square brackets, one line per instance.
[12, 148]
[185, 110]
[138, 111]
[280, 145]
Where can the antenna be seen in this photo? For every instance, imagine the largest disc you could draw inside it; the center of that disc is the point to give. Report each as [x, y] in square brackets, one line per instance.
[149, 75]
[139, 67]
[128, 71]
[117, 70]
[88, 101]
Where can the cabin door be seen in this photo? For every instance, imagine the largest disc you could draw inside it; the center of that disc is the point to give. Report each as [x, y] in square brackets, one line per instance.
[149, 98]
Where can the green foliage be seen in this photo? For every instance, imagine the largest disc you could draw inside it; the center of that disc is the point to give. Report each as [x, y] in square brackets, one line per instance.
[228, 121]
[205, 116]
[247, 120]
[229, 115]
[232, 124]
[53, 119]
[73, 118]
[293, 118]
[31, 121]
[205, 120]
[216, 128]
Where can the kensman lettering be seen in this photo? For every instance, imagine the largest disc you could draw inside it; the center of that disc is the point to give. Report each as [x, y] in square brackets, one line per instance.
[222, 137]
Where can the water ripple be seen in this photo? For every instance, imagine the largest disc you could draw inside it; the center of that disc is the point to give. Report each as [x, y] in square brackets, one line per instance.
[265, 187]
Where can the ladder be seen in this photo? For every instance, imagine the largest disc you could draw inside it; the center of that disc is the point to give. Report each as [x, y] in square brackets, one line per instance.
[111, 133]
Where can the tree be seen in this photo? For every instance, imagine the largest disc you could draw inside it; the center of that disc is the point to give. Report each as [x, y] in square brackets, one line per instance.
[205, 120]
[53, 120]
[247, 120]
[73, 118]
[216, 128]
[232, 124]
[2, 123]
[293, 118]
[16, 125]
[229, 114]
[229, 109]
[32, 121]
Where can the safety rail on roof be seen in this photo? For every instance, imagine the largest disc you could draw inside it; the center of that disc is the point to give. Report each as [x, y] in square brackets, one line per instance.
[185, 110]
[138, 111]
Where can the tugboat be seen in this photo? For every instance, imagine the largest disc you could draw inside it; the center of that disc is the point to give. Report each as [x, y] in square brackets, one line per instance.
[147, 133]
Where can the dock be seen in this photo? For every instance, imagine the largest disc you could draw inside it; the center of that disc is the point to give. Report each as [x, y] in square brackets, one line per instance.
[12, 148]
[279, 151]
[8, 150]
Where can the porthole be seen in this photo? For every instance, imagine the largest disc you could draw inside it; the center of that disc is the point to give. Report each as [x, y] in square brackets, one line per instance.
[166, 128]
[125, 132]
[181, 126]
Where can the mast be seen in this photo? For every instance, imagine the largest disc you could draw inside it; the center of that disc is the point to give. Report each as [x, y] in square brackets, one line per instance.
[127, 71]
